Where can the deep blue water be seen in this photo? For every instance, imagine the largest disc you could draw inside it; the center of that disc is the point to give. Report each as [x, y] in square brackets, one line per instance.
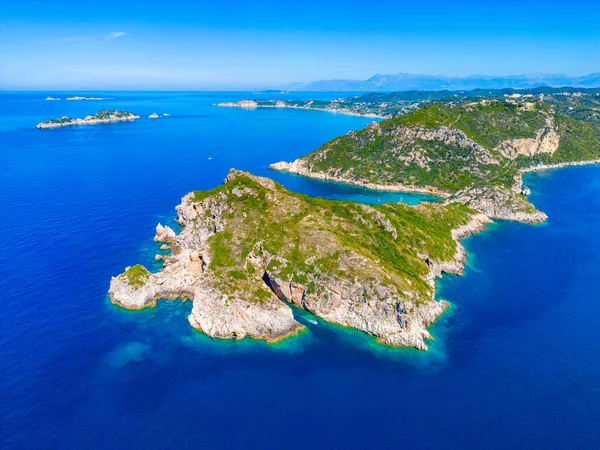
[515, 364]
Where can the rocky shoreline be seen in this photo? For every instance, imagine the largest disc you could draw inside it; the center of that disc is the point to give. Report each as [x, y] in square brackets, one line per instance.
[498, 202]
[476, 224]
[299, 168]
[518, 186]
[214, 314]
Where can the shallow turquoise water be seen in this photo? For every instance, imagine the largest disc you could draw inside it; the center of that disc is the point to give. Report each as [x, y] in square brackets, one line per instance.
[515, 363]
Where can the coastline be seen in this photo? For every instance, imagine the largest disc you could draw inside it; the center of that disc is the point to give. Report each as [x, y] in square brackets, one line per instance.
[276, 340]
[519, 178]
[346, 113]
[297, 169]
[477, 223]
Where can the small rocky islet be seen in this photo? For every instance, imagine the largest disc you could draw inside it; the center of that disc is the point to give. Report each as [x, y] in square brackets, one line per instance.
[250, 250]
[104, 116]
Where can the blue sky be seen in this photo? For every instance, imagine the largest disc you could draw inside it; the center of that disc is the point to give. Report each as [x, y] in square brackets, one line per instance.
[184, 44]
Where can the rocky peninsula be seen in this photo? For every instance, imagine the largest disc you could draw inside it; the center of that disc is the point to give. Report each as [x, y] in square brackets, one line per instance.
[104, 116]
[473, 152]
[250, 249]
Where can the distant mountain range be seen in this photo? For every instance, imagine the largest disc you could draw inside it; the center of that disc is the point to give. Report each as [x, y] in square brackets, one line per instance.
[408, 81]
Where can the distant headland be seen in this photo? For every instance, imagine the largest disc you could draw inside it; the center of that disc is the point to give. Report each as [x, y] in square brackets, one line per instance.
[335, 106]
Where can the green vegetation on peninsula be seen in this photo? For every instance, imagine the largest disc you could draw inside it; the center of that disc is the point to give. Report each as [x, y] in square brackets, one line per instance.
[136, 275]
[314, 239]
[447, 147]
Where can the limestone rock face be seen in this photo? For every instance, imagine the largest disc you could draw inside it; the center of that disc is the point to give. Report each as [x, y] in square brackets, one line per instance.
[184, 276]
[452, 136]
[498, 202]
[213, 312]
[546, 141]
[375, 308]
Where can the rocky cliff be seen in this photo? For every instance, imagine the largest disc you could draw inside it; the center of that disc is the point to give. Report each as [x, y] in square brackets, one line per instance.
[498, 202]
[546, 141]
[249, 249]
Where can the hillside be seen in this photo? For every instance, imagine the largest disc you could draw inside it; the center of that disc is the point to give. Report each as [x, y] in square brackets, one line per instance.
[444, 148]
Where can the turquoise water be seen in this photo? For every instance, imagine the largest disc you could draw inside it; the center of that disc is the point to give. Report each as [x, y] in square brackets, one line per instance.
[515, 363]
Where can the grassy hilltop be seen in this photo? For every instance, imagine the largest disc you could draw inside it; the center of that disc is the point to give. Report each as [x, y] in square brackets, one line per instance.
[308, 240]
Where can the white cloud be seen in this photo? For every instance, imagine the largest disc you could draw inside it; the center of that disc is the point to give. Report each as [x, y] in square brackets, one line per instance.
[114, 35]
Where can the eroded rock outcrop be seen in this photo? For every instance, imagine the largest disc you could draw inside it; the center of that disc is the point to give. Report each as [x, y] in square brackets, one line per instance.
[164, 233]
[498, 202]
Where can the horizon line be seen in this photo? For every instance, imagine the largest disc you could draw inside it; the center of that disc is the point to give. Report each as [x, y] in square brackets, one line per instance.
[50, 90]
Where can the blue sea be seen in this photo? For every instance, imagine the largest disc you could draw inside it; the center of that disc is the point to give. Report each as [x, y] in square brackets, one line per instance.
[515, 363]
